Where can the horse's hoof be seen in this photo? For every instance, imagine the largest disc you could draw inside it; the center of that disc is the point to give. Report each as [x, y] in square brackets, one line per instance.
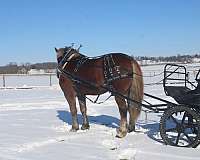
[120, 133]
[85, 126]
[74, 129]
[131, 128]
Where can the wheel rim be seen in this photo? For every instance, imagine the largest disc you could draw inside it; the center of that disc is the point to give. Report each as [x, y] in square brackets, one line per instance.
[180, 128]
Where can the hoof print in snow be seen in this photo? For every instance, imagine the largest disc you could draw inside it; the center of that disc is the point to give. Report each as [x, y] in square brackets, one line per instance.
[114, 148]
[127, 154]
[73, 130]
[62, 140]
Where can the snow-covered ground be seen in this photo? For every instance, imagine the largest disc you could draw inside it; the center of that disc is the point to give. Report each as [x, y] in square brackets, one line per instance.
[35, 125]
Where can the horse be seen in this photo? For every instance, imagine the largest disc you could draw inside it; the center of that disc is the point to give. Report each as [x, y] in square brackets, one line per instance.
[116, 71]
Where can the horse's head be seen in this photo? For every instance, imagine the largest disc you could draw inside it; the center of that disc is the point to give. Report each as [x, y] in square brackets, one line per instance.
[66, 53]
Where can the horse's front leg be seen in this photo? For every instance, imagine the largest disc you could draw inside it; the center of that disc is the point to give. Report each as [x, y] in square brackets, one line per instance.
[83, 108]
[70, 95]
[72, 104]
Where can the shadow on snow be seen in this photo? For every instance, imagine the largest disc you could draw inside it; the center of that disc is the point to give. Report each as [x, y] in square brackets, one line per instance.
[106, 120]
[113, 122]
[152, 130]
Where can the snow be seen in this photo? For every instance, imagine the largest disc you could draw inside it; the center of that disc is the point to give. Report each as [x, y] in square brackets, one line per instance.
[36, 123]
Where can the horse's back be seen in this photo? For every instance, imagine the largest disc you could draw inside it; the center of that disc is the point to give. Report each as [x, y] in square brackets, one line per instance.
[119, 59]
[121, 55]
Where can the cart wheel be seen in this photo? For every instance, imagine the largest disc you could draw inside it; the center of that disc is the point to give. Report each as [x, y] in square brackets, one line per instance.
[180, 126]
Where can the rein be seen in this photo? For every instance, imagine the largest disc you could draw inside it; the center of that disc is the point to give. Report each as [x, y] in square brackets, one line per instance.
[65, 58]
[97, 98]
[78, 80]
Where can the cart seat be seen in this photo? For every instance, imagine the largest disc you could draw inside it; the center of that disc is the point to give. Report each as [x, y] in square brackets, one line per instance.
[175, 91]
[184, 95]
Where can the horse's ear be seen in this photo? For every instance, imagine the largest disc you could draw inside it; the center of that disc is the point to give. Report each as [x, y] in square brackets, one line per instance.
[56, 49]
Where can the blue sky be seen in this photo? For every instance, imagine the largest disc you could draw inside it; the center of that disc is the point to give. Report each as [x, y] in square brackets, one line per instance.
[30, 29]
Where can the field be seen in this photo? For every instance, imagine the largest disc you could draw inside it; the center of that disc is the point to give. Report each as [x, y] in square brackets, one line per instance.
[35, 124]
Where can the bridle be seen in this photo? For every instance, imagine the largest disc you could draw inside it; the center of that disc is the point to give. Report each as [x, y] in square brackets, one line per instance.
[68, 55]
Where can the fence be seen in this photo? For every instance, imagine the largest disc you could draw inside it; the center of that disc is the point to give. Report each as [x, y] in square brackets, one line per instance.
[22, 80]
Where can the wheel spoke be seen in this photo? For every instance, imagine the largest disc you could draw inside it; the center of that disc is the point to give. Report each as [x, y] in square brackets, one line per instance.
[174, 119]
[190, 139]
[183, 118]
[170, 130]
[190, 125]
[194, 124]
[178, 138]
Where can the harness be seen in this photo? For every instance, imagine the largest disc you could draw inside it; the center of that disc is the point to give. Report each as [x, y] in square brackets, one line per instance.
[111, 72]
[80, 62]
[110, 69]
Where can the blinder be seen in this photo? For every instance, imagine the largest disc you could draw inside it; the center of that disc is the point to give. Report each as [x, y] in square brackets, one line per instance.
[65, 56]
[62, 59]
[59, 59]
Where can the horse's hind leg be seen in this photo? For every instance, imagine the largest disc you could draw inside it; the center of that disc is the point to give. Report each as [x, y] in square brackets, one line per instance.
[122, 131]
[134, 108]
[134, 112]
[82, 103]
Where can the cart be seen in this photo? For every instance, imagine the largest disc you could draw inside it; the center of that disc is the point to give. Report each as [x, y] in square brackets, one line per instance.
[180, 123]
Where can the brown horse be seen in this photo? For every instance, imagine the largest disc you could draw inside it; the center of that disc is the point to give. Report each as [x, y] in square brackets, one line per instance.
[116, 71]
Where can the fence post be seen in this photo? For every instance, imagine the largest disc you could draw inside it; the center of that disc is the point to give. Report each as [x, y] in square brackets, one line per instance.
[4, 81]
[146, 118]
[50, 82]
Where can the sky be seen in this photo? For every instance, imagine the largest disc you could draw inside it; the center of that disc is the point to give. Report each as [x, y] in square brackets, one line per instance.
[30, 29]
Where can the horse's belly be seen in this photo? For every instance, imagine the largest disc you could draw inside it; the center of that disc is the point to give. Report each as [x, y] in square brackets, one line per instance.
[91, 90]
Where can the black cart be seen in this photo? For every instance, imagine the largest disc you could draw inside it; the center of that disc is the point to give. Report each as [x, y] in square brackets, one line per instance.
[180, 122]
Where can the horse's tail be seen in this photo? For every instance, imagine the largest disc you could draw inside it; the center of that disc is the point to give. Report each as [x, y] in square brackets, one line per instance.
[136, 91]
[137, 86]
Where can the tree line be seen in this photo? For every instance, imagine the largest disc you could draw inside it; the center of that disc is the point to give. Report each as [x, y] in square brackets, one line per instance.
[14, 68]
[177, 58]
